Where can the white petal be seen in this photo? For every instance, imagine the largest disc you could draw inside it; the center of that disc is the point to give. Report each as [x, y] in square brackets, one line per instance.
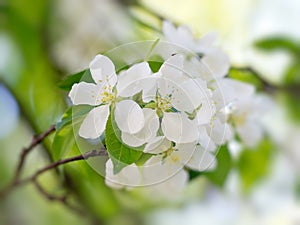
[131, 81]
[94, 123]
[103, 70]
[205, 141]
[172, 69]
[149, 130]
[85, 93]
[175, 183]
[205, 42]
[157, 145]
[227, 90]
[250, 133]
[129, 116]
[217, 62]
[206, 112]
[219, 132]
[178, 128]
[202, 160]
[157, 169]
[183, 152]
[127, 177]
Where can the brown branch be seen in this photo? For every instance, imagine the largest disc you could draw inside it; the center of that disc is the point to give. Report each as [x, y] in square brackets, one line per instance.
[62, 199]
[51, 166]
[268, 86]
[84, 156]
[35, 141]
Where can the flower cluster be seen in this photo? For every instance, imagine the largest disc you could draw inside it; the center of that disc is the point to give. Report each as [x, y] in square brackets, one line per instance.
[177, 116]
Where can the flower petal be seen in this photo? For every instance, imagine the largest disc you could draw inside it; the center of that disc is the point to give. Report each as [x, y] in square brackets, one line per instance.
[175, 183]
[217, 62]
[94, 124]
[205, 141]
[128, 177]
[202, 160]
[178, 128]
[205, 42]
[157, 145]
[149, 130]
[103, 71]
[130, 82]
[250, 132]
[172, 69]
[226, 90]
[129, 116]
[220, 132]
[157, 169]
[85, 93]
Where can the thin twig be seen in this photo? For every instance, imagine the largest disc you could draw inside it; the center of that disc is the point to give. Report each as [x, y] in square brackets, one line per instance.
[62, 199]
[35, 141]
[53, 165]
[268, 86]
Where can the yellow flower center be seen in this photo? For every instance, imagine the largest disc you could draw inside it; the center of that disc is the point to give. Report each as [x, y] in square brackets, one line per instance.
[163, 103]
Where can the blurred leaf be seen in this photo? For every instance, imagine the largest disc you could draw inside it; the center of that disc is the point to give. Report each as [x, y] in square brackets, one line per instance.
[297, 189]
[292, 105]
[292, 75]
[247, 76]
[253, 164]
[278, 43]
[67, 83]
[120, 154]
[219, 175]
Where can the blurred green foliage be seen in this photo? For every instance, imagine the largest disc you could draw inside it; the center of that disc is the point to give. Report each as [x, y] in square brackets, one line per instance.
[289, 90]
[259, 160]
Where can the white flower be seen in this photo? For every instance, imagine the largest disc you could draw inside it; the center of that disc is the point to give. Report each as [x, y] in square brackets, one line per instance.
[164, 166]
[128, 177]
[128, 114]
[171, 95]
[246, 114]
[164, 170]
[214, 62]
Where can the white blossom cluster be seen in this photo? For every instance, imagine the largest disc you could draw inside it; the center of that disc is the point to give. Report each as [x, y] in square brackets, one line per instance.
[185, 110]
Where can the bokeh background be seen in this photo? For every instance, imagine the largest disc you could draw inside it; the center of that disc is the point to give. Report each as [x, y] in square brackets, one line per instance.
[41, 41]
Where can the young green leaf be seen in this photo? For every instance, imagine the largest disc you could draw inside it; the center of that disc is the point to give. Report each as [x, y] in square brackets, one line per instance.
[253, 164]
[73, 113]
[120, 153]
[67, 83]
[246, 76]
[219, 175]
[278, 43]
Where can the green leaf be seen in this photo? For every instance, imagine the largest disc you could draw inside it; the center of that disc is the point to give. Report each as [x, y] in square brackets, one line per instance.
[67, 83]
[62, 142]
[64, 137]
[219, 175]
[246, 76]
[253, 164]
[278, 43]
[120, 153]
[71, 113]
[143, 159]
[291, 103]
[194, 174]
[154, 65]
[292, 75]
